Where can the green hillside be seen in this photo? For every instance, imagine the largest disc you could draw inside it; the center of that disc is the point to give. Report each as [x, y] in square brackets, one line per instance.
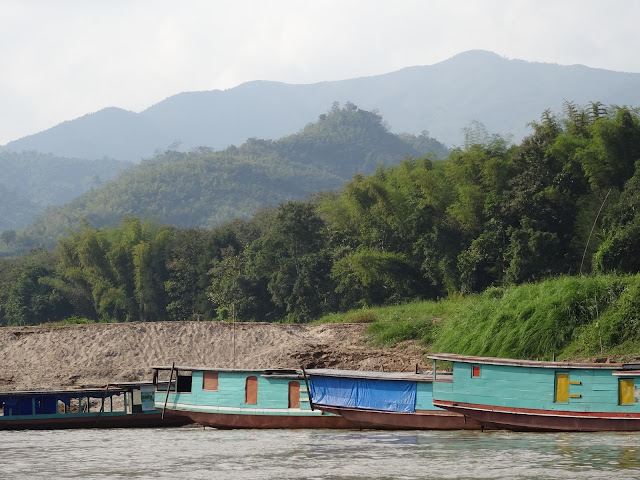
[30, 182]
[206, 188]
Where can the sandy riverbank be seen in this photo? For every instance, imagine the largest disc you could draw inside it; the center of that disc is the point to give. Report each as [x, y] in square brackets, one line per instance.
[76, 355]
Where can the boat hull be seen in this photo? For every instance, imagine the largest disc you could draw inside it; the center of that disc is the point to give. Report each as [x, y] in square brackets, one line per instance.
[530, 420]
[420, 420]
[135, 420]
[231, 420]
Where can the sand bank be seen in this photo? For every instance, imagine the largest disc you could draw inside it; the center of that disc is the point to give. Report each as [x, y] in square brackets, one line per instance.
[79, 355]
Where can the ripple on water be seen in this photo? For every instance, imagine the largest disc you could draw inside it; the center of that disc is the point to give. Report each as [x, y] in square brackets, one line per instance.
[197, 453]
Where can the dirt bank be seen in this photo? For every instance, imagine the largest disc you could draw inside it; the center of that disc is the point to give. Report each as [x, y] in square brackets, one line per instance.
[76, 355]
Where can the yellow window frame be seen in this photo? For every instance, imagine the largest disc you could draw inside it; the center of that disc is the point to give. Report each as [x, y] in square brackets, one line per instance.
[562, 388]
[626, 394]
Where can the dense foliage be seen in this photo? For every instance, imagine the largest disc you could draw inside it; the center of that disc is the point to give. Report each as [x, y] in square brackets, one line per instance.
[563, 202]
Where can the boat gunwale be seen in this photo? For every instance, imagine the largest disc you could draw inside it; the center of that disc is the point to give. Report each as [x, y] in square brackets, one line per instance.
[271, 372]
[454, 357]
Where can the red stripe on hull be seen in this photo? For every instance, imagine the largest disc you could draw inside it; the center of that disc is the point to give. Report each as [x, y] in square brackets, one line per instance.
[533, 420]
[136, 420]
[422, 420]
[227, 420]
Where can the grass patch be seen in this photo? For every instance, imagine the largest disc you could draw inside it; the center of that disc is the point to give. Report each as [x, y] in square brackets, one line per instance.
[393, 324]
[531, 321]
[573, 317]
[70, 321]
[363, 316]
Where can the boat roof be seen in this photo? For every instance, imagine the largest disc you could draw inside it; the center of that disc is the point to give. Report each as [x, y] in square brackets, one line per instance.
[627, 373]
[411, 376]
[93, 390]
[454, 357]
[266, 371]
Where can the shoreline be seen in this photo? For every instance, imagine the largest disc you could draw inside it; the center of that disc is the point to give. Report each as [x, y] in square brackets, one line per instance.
[71, 356]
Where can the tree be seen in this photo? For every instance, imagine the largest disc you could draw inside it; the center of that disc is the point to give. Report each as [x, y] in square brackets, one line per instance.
[292, 259]
[229, 288]
[532, 255]
[188, 262]
[369, 277]
[32, 301]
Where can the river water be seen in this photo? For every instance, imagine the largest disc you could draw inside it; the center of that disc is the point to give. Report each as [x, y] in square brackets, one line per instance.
[196, 453]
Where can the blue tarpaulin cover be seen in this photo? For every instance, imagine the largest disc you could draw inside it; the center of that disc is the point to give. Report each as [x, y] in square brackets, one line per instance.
[370, 394]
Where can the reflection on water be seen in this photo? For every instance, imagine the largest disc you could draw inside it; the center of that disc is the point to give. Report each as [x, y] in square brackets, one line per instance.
[196, 453]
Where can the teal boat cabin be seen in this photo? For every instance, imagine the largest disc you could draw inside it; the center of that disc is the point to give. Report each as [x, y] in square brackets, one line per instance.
[241, 398]
[530, 395]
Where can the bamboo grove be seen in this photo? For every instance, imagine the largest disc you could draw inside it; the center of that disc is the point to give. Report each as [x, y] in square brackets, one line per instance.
[565, 201]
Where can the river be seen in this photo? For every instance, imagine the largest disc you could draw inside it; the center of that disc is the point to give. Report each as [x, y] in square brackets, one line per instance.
[197, 453]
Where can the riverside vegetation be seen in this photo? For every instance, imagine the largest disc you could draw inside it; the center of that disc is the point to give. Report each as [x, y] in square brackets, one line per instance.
[533, 247]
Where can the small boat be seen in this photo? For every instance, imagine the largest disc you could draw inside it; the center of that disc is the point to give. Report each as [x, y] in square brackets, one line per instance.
[242, 398]
[383, 400]
[528, 395]
[117, 405]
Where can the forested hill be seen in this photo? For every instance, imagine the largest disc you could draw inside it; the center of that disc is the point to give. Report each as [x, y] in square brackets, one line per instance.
[30, 182]
[206, 188]
[493, 214]
[504, 94]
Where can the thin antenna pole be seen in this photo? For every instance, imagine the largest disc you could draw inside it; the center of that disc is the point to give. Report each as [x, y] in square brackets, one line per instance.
[584, 254]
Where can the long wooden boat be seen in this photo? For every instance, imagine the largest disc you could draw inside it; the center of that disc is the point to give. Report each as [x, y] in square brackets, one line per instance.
[84, 408]
[382, 400]
[241, 398]
[527, 395]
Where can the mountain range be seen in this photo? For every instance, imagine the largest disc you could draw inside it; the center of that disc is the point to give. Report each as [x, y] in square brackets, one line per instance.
[442, 99]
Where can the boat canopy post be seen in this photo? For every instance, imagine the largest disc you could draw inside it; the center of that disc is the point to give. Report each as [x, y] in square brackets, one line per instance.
[306, 382]
[435, 374]
[166, 398]
[104, 395]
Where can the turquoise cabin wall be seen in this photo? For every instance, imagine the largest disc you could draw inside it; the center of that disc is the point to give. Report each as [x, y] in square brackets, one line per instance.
[424, 396]
[533, 388]
[273, 393]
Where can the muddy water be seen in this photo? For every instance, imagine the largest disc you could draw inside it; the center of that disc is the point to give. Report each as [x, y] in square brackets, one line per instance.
[196, 453]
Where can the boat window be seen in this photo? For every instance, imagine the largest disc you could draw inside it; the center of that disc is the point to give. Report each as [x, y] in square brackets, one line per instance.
[210, 381]
[294, 394]
[136, 401]
[475, 371]
[251, 391]
[183, 385]
[562, 387]
[625, 391]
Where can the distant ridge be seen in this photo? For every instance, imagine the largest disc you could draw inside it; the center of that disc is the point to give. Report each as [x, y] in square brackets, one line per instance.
[442, 98]
[205, 188]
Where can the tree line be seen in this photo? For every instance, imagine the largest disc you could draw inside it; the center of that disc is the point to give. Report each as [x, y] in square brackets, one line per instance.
[564, 201]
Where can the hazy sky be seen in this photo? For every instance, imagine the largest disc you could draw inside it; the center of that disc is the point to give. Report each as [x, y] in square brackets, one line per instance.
[62, 59]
